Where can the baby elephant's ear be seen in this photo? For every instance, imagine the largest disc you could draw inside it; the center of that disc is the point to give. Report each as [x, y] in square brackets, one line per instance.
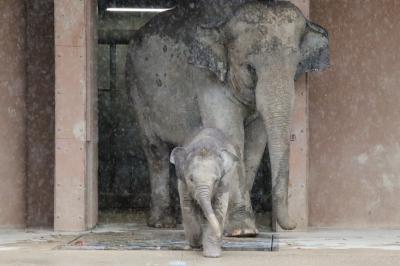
[177, 155]
[228, 159]
[177, 158]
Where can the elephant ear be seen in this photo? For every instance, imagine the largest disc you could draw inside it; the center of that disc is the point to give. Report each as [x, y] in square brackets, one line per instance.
[314, 49]
[229, 158]
[207, 50]
[177, 158]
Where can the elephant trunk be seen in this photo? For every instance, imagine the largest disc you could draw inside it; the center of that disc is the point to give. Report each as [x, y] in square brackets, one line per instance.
[275, 100]
[204, 199]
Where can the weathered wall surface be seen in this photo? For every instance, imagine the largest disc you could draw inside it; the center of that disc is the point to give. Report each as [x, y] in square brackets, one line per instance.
[40, 112]
[75, 116]
[12, 113]
[355, 117]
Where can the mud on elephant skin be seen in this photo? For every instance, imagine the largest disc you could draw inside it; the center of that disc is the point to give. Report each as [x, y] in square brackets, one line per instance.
[204, 167]
[235, 73]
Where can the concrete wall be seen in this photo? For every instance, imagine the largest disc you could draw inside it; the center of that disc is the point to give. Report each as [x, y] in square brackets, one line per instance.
[27, 113]
[12, 113]
[355, 117]
[40, 112]
[75, 116]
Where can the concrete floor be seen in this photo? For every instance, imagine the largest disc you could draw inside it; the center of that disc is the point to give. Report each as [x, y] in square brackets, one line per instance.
[309, 258]
[327, 248]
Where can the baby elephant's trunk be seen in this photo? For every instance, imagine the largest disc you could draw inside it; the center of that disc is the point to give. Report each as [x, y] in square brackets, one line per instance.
[205, 203]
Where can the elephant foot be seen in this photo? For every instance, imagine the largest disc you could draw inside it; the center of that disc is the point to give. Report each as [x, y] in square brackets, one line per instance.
[212, 252]
[212, 247]
[285, 222]
[161, 219]
[242, 233]
[195, 242]
[239, 226]
[195, 246]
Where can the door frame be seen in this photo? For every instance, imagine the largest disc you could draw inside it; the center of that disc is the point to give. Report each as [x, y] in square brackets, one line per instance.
[76, 139]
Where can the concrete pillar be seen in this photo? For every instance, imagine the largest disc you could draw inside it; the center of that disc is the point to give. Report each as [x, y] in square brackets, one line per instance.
[299, 157]
[75, 121]
[12, 114]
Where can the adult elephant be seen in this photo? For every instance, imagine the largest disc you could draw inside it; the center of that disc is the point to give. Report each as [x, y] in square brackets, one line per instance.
[229, 65]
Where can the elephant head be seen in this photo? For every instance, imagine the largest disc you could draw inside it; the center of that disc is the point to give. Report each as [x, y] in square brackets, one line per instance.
[202, 168]
[258, 53]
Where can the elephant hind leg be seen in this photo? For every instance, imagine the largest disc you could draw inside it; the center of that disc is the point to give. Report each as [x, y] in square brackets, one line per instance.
[157, 154]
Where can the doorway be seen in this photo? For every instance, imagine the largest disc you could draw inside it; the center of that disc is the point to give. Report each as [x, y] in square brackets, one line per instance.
[76, 135]
[124, 188]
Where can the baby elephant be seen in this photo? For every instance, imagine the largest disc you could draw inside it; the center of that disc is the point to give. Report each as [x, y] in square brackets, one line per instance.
[204, 167]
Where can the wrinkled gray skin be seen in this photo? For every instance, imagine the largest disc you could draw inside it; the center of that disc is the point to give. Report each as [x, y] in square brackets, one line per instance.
[236, 74]
[205, 167]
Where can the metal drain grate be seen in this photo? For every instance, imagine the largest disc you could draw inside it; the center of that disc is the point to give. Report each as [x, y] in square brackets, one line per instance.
[163, 240]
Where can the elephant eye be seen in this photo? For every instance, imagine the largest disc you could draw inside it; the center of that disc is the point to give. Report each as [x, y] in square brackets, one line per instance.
[252, 72]
[191, 178]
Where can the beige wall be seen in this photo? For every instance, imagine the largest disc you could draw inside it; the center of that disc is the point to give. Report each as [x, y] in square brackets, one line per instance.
[355, 117]
[12, 113]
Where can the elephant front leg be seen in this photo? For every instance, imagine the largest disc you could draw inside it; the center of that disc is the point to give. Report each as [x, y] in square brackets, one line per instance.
[191, 217]
[240, 219]
[212, 244]
[254, 148]
[157, 154]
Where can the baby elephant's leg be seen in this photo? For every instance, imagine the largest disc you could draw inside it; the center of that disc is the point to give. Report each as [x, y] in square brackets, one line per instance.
[191, 217]
[212, 243]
